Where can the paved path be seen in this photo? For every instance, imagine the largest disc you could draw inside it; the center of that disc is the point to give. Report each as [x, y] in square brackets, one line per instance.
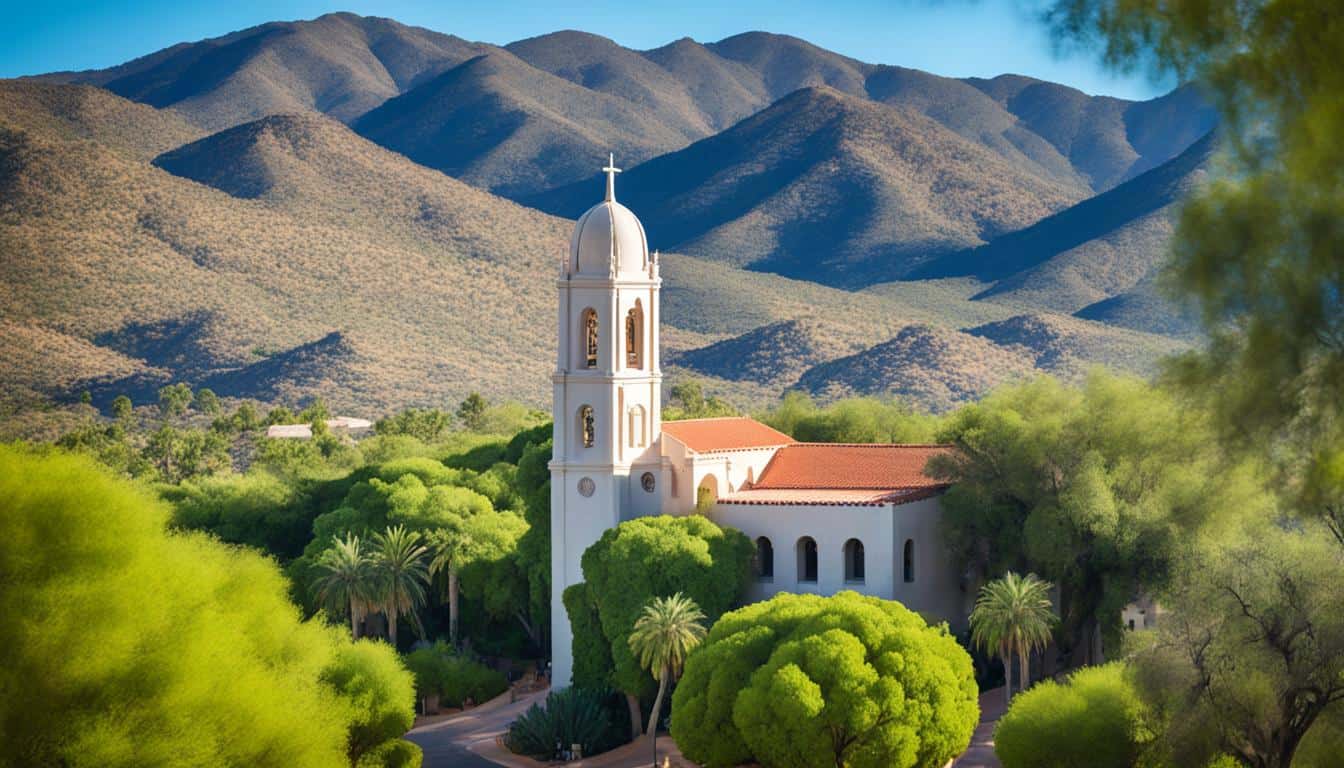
[448, 744]
[468, 740]
[981, 752]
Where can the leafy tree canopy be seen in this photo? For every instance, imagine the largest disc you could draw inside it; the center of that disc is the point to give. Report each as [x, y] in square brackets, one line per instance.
[1262, 247]
[804, 680]
[650, 557]
[852, 420]
[1097, 488]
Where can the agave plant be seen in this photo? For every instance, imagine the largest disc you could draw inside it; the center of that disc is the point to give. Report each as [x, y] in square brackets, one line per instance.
[573, 716]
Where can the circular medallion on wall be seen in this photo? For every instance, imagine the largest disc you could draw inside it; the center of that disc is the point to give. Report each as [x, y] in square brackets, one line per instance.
[648, 482]
[587, 486]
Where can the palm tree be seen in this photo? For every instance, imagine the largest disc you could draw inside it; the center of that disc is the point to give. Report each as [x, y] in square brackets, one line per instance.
[348, 580]
[663, 636]
[399, 560]
[449, 545]
[1013, 616]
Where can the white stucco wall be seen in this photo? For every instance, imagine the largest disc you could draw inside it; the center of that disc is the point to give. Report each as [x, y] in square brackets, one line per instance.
[883, 530]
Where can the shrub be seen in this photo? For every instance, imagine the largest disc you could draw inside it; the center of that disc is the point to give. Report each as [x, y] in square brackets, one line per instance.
[380, 692]
[393, 754]
[804, 680]
[582, 716]
[1095, 720]
[125, 645]
[452, 677]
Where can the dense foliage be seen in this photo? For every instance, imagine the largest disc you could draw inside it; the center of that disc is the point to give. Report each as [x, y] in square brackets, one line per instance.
[1096, 719]
[803, 680]
[454, 678]
[852, 420]
[127, 645]
[635, 562]
[588, 717]
[1251, 657]
[1098, 488]
[1261, 248]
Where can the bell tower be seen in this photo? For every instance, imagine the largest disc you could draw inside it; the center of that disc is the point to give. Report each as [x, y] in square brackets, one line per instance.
[605, 465]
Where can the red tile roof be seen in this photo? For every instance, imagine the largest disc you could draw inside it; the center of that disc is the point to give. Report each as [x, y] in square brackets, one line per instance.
[842, 466]
[730, 433]
[828, 496]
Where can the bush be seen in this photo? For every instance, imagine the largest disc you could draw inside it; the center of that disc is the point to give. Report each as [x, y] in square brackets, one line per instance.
[1095, 720]
[804, 680]
[127, 646]
[381, 694]
[583, 716]
[393, 754]
[452, 677]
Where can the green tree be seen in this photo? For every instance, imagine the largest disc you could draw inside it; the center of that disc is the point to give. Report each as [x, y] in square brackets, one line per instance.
[1250, 657]
[851, 420]
[645, 558]
[185, 453]
[472, 412]
[86, 397]
[174, 400]
[805, 680]
[246, 418]
[1013, 617]
[1098, 488]
[347, 582]
[664, 635]
[134, 640]
[122, 409]
[1262, 247]
[207, 402]
[257, 509]
[1096, 719]
[401, 564]
[428, 425]
[687, 400]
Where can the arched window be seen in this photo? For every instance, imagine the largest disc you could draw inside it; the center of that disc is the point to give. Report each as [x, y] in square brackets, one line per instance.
[765, 559]
[707, 494]
[807, 560]
[587, 426]
[634, 336]
[909, 560]
[590, 338]
[854, 560]
[637, 438]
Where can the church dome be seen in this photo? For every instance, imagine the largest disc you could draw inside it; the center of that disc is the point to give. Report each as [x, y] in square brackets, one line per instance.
[609, 239]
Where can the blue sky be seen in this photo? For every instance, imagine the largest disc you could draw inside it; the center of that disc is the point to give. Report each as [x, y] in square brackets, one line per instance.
[958, 38]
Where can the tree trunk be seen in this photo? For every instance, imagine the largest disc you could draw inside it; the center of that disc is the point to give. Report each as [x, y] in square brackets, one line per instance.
[636, 718]
[1007, 679]
[658, 704]
[453, 604]
[354, 620]
[1023, 669]
[392, 625]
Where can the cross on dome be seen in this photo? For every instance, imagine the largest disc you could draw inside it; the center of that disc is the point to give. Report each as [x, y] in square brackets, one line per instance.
[611, 170]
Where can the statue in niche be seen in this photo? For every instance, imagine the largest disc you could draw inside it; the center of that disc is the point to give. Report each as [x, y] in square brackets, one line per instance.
[590, 337]
[589, 426]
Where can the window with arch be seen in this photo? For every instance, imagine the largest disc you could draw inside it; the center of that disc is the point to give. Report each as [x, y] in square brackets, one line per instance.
[587, 426]
[807, 560]
[908, 561]
[764, 561]
[634, 336]
[637, 437]
[589, 338]
[854, 560]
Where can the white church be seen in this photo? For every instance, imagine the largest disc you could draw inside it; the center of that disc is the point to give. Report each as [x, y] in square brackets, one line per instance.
[825, 517]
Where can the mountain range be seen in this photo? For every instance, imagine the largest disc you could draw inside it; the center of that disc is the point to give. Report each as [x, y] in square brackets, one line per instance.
[371, 212]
